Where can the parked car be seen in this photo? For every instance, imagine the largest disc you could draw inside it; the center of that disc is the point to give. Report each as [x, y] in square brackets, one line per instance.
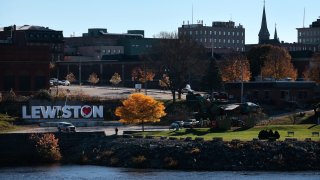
[180, 123]
[53, 82]
[190, 123]
[64, 82]
[66, 127]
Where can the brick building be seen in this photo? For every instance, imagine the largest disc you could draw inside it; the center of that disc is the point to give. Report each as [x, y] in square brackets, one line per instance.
[277, 93]
[25, 55]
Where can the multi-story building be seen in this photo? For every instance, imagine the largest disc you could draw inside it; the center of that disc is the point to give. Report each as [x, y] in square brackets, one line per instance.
[221, 35]
[104, 53]
[311, 34]
[29, 35]
[25, 54]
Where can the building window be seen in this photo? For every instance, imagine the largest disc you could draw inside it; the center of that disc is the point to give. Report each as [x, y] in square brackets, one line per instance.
[190, 32]
[228, 33]
[224, 33]
[215, 32]
[228, 40]
[219, 32]
[196, 32]
[237, 33]
[210, 32]
[215, 40]
[266, 95]
[232, 33]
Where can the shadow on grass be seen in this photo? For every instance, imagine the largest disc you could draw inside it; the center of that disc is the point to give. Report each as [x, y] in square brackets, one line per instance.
[241, 129]
[196, 132]
[312, 126]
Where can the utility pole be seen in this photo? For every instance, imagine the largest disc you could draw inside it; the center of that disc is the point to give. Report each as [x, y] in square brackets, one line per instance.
[241, 66]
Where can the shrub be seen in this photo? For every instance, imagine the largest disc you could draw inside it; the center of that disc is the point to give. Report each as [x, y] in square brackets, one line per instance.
[195, 151]
[264, 134]
[276, 135]
[171, 163]
[46, 146]
[114, 161]
[139, 159]
[43, 94]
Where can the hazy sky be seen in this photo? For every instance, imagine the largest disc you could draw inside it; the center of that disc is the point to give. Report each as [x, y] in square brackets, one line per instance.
[155, 16]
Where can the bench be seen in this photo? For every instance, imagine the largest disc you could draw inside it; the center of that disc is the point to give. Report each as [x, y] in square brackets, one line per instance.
[290, 133]
[315, 133]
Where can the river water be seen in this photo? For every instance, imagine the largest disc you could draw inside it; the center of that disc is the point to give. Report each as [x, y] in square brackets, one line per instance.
[77, 172]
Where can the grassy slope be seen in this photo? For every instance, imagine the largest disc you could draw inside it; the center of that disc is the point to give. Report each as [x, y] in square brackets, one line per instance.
[300, 132]
[6, 123]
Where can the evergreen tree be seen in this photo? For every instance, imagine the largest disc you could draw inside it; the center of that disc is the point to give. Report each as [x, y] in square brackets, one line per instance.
[212, 78]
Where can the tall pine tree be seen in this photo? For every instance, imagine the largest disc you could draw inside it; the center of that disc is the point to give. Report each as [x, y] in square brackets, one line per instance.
[212, 81]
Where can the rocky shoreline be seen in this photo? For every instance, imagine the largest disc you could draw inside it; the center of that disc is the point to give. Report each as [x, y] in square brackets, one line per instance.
[202, 155]
[118, 151]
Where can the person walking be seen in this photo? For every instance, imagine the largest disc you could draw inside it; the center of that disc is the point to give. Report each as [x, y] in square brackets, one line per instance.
[116, 130]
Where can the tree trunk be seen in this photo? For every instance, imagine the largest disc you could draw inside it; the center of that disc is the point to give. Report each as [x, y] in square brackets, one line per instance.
[179, 94]
[142, 126]
[173, 95]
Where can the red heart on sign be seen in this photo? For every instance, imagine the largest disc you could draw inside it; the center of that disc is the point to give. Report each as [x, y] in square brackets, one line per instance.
[86, 110]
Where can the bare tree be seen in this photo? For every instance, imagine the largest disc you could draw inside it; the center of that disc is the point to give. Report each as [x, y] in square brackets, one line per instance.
[179, 59]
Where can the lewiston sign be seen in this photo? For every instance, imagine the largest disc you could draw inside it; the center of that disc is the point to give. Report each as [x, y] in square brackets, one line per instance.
[64, 112]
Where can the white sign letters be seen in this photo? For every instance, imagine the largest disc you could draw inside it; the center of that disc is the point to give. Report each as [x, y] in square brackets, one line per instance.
[65, 112]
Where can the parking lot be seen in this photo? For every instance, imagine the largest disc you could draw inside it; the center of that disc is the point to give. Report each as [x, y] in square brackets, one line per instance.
[107, 92]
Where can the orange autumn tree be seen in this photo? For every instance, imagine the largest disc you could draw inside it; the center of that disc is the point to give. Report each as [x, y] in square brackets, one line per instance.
[142, 76]
[278, 64]
[140, 108]
[235, 68]
[313, 72]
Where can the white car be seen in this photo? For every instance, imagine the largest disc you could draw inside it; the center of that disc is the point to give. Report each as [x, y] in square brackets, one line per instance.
[64, 82]
[54, 82]
[66, 127]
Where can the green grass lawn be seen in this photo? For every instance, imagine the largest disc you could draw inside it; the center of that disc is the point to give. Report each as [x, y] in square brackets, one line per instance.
[6, 123]
[300, 132]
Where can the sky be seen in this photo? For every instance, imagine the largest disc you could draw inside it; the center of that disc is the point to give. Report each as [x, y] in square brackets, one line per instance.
[155, 16]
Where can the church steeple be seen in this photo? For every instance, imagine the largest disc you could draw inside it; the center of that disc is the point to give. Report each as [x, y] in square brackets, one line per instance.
[275, 33]
[264, 34]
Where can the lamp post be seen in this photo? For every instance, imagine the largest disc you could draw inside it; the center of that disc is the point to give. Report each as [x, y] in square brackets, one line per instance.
[79, 71]
[241, 66]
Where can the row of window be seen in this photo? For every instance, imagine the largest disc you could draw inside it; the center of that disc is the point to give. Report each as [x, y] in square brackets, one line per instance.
[283, 95]
[113, 51]
[309, 33]
[45, 36]
[303, 48]
[224, 47]
[137, 45]
[309, 40]
[205, 40]
[224, 33]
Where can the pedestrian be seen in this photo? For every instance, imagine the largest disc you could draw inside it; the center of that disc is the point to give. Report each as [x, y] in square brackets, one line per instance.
[116, 130]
